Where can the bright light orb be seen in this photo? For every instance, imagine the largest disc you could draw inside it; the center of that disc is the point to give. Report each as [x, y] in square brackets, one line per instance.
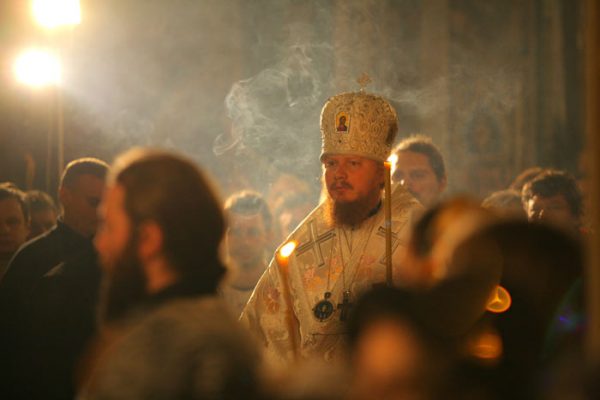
[37, 68]
[54, 13]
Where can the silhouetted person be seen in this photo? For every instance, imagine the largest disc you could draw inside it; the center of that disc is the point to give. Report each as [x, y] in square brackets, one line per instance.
[59, 319]
[509, 349]
[80, 191]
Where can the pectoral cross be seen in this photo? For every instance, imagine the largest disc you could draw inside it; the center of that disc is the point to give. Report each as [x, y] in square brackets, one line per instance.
[395, 243]
[314, 243]
[345, 306]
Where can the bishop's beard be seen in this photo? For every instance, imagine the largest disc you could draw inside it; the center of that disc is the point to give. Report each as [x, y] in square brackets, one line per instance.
[352, 213]
[124, 287]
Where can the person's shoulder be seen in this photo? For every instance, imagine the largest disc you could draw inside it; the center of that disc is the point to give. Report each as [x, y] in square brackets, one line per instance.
[192, 323]
[42, 242]
[179, 336]
[28, 258]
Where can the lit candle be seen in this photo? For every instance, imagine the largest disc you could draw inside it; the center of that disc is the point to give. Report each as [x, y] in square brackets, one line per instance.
[284, 254]
[388, 222]
[283, 257]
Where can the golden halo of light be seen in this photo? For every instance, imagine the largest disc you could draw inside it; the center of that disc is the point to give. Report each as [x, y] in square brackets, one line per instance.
[37, 68]
[55, 13]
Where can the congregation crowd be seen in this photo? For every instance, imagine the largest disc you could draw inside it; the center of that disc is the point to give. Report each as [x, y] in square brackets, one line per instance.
[141, 283]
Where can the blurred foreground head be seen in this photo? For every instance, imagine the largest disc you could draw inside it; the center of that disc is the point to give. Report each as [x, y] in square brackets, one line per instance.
[162, 224]
[541, 272]
[395, 353]
[438, 234]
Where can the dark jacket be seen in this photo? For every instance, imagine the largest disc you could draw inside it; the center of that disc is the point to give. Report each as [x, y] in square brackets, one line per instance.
[45, 319]
[38, 256]
[62, 316]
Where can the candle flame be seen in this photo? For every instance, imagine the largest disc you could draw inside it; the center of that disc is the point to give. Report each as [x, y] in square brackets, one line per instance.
[287, 249]
[393, 160]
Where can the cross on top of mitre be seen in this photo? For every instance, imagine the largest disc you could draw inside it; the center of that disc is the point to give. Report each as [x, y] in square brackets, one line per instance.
[363, 80]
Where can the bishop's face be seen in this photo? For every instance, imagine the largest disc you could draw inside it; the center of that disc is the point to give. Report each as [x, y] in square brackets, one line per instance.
[352, 178]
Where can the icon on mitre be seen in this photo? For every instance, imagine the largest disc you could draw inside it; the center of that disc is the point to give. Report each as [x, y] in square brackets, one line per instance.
[342, 122]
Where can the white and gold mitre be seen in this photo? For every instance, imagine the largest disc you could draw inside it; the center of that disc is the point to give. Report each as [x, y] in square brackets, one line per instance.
[358, 123]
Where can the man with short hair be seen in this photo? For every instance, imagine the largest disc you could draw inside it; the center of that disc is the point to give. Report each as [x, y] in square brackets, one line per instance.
[80, 190]
[159, 250]
[43, 212]
[554, 197]
[14, 223]
[247, 246]
[23, 347]
[298, 311]
[420, 168]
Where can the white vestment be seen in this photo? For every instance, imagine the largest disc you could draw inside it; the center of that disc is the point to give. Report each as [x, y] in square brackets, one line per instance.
[326, 260]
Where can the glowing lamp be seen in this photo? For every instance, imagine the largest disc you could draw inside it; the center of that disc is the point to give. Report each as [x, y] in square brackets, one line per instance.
[500, 300]
[37, 68]
[53, 13]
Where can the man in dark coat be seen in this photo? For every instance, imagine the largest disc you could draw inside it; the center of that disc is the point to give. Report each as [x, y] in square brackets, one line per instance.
[21, 303]
[80, 191]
